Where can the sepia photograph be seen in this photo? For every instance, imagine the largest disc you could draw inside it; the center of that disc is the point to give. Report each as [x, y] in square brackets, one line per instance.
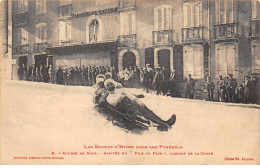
[129, 82]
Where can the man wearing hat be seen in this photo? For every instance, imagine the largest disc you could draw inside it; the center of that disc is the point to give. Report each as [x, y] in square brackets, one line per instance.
[190, 87]
[231, 87]
[157, 80]
[210, 88]
[221, 89]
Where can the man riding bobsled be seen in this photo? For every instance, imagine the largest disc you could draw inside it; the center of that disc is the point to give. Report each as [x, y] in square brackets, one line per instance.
[127, 107]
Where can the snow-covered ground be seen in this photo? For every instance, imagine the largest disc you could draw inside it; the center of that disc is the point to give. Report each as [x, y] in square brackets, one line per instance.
[38, 119]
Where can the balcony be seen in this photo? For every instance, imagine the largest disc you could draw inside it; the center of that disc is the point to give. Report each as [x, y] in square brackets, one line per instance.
[65, 11]
[127, 41]
[255, 30]
[21, 19]
[40, 47]
[225, 32]
[21, 49]
[192, 35]
[162, 37]
[127, 4]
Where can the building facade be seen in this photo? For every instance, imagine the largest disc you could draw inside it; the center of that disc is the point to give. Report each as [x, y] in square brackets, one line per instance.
[197, 37]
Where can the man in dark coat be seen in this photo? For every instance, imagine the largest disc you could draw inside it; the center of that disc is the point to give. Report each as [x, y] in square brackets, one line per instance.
[210, 88]
[246, 89]
[221, 89]
[254, 93]
[231, 86]
[20, 72]
[190, 87]
[157, 80]
[24, 72]
[165, 81]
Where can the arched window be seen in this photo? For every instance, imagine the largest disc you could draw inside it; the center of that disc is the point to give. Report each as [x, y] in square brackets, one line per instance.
[93, 31]
[41, 32]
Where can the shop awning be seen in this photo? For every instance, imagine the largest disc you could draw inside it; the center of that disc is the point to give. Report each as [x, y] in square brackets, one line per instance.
[82, 48]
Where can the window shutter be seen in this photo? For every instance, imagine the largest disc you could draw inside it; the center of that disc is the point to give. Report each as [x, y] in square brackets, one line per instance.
[156, 19]
[129, 23]
[121, 23]
[159, 19]
[196, 15]
[229, 12]
[19, 36]
[68, 30]
[217, 10]
[164, 19]
[234, 2]
[44, 33]
[25, 6]
[133, 23]
[185, 16]
[189, 15]
[170, 17]
[200, 14]
[257, 9]
[125, 24]
[222, 12]
[24, 34]
[62, 30]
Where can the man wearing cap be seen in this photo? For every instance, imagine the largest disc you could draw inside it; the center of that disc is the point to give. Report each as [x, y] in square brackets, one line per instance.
[190, 87]
[210, 88]
[231, 87]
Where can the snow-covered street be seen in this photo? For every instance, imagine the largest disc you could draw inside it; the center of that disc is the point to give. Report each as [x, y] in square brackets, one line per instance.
[38, 119]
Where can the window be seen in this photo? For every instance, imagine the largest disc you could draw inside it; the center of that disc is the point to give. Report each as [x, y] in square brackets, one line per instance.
[255, 9]
[22, 6]
[126, 3]
[193, 61]
[127, 23]
[226, 55]
[101, 2]
[225, 11]
[41, 30]
[65, 8]
[256, 58]
[64, 31]
[163, 17]
[93, 31]
[192, 15]
[40, 6]
[65, 2]
[22, 36]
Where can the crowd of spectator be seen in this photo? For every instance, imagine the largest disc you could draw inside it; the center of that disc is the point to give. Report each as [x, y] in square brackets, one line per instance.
[160, 80]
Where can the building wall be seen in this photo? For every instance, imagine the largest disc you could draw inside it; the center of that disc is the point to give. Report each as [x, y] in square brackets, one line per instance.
[110, 28]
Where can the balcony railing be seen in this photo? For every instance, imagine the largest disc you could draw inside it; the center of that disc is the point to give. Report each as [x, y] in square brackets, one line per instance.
[40, 47]
[127, 40]
[65, 10]
[255, 29]
[162, 37]
[21, 49]
[192, 34]
[226, 31]
[127, 4]
[21, 19]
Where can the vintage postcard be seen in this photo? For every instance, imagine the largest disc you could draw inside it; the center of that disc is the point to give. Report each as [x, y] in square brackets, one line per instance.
[130, 82]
